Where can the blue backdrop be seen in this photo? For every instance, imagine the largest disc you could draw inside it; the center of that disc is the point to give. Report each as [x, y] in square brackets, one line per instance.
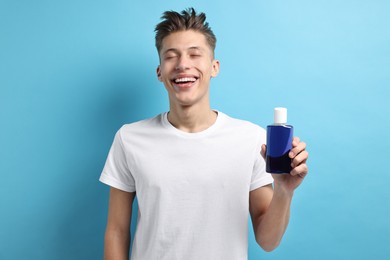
[72, 72]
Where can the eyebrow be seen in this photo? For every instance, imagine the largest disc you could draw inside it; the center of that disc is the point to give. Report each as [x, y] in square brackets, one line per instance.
[196, 48]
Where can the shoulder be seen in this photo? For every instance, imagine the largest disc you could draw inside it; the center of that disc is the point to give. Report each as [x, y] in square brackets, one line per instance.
[141, 128]
[241, 125]
[142, 125]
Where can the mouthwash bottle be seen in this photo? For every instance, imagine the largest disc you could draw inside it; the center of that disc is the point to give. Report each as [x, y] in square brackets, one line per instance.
[279, 143]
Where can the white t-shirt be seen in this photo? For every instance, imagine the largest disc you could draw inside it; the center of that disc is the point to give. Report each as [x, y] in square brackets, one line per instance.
[192, 188]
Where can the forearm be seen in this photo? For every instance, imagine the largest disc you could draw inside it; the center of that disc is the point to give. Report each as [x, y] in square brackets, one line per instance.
[116, 245]
[273, 223]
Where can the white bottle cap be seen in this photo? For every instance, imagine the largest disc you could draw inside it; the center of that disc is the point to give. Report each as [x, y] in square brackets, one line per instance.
[280, 115]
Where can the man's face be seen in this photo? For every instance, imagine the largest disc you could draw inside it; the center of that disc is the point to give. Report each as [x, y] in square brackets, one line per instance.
[186, 67]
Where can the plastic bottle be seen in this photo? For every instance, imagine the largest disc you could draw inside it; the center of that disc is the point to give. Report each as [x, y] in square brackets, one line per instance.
[279, 143]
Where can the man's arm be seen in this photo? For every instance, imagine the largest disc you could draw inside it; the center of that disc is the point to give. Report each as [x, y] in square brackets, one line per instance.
[270, 208]
[117, 237]
[270, 213]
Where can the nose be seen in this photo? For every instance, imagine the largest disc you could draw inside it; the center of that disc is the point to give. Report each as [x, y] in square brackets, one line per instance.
[183, 63]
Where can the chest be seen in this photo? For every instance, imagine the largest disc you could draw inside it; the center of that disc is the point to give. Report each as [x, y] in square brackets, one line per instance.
[183, 164]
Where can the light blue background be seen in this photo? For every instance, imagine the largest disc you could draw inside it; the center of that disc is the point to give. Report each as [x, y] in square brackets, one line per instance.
[72, 72]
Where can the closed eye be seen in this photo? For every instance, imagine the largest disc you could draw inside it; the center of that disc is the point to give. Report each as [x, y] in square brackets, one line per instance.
[169, 57]
[195, 55]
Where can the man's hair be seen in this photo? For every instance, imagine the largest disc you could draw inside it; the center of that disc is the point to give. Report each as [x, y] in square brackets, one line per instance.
[187, 20]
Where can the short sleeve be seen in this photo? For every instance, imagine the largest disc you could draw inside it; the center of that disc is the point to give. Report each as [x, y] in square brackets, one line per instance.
[116, 172]
[259, 176]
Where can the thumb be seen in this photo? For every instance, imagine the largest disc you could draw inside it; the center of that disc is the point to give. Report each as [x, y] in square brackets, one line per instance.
[263, 150]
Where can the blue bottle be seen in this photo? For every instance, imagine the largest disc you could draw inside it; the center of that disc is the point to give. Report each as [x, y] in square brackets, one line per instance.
[279, 143]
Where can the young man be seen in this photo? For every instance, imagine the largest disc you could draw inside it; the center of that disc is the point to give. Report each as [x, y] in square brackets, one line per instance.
[196, 171]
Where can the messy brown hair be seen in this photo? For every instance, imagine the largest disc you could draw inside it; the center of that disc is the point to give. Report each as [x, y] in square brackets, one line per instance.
[186, 20]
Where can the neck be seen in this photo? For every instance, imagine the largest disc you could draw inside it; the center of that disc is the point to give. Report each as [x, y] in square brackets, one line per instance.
[191, 119]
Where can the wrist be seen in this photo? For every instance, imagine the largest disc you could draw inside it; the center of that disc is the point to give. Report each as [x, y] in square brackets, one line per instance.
[281, 191]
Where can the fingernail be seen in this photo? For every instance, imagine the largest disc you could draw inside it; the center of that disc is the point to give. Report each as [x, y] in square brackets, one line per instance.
[291, 154]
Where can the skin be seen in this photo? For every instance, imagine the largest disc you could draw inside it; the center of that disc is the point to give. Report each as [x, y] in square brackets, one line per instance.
[117, 236]
[186, 54]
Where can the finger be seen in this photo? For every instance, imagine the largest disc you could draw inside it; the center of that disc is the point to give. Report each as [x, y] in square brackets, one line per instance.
[300, 158]
[263, 150]
[297, 149]
[301, 170]
[296, 141]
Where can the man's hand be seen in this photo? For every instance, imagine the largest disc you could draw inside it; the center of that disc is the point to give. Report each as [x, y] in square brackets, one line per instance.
[298, 155]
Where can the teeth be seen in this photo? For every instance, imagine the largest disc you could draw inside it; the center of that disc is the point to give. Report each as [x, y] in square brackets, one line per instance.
[185, 80]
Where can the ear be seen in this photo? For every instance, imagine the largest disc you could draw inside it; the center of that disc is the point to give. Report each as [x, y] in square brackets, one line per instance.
[158, 71]
[215, 68]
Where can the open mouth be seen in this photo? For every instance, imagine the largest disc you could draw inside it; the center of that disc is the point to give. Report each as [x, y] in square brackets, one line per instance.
[184, 81]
